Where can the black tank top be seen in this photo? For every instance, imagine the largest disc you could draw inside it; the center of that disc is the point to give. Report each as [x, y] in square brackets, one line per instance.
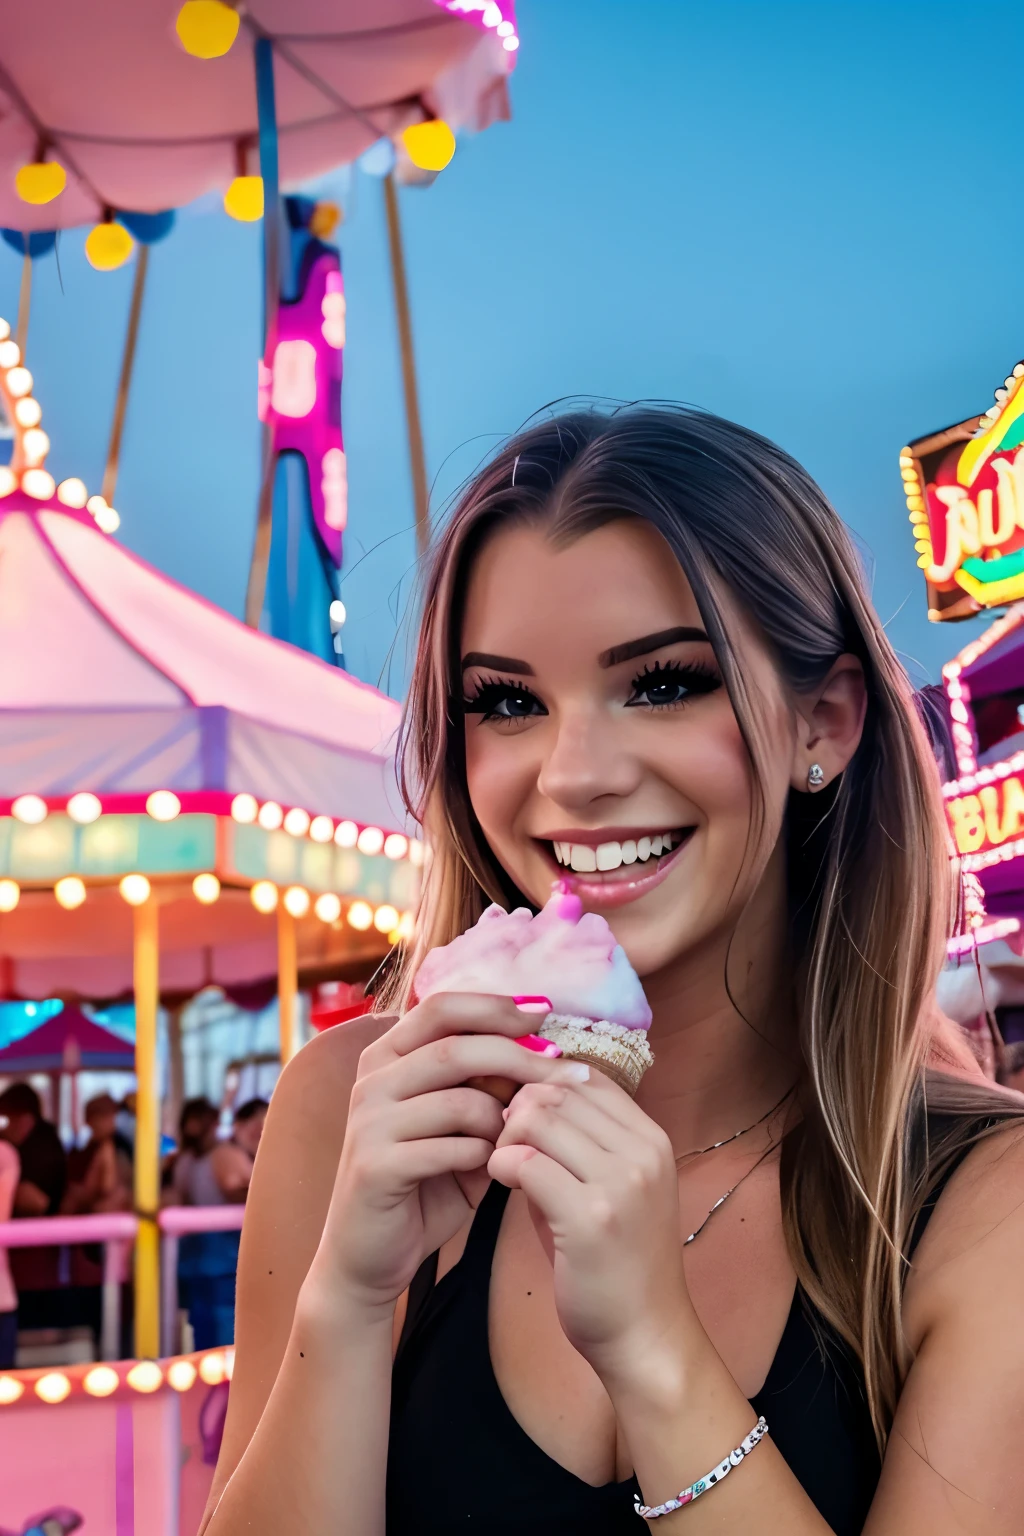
[458, 1460]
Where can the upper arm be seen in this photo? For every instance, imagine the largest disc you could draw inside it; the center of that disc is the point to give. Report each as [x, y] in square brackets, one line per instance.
[953, 1463]
[292, 1183]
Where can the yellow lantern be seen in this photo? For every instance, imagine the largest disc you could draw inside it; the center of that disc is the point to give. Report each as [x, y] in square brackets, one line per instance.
[207, 28]
[108, 246]
[40, 182]
[243, 200]
[429, 146]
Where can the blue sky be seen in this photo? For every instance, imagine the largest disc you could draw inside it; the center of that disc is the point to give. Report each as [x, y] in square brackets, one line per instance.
[804, 215]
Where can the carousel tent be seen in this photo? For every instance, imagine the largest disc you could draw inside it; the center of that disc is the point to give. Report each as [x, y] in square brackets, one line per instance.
[68, 1041]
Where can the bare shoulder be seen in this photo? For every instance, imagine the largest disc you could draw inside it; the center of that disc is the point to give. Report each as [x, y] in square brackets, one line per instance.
[975, 1238]
[289, 1195]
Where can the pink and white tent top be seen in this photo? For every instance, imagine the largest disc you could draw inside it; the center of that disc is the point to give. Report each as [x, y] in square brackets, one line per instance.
[140, 125]
[119, 681]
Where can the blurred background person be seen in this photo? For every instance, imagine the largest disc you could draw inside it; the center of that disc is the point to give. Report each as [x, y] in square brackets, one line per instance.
[100, 1173]
[209, 1171]
[42, 1297]
[10, 1173]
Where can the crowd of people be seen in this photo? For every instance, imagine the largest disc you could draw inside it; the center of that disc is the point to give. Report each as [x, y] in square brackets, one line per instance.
[59, 1287]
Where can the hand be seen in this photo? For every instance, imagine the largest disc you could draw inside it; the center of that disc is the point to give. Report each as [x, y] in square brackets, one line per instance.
[601, 1181]
[414, 1160]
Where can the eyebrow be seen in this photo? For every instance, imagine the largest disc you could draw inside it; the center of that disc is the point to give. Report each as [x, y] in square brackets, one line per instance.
[496, 663]
[648, 643]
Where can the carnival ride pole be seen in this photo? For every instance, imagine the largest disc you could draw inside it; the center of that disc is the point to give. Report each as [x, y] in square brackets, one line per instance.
[287, 982]
[417, 459]
[147, 1130]
[109, 485]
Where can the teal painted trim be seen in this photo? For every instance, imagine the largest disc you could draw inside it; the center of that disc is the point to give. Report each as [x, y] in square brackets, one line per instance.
[107, 848]
[1001, 569]
[256, 854]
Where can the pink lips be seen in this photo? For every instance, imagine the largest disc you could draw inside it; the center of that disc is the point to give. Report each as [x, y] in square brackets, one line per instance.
[619, 892]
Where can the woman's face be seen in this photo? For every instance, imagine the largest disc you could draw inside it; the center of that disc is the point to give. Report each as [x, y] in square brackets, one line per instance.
[601, 742]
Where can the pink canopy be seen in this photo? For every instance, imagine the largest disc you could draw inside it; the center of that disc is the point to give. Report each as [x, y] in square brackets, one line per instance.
[67, 1041]
[140, 125]
[120, 681]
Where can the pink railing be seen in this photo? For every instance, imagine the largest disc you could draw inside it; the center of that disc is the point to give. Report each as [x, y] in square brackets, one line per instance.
[116, 1231]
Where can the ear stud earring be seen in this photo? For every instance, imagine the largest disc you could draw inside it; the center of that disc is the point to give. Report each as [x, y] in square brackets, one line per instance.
[815, 776]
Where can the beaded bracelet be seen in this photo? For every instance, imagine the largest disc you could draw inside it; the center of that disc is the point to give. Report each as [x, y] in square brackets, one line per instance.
[687, 1496]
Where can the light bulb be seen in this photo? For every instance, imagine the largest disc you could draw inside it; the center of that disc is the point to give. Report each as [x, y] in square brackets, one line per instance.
[264, 896]
[38, 483]
[10, 1389]
[243, 200]
[10, 352]
[321, 829]
[406, 925]
[270, 816]
[430, 146]
[40, 182]
[84, 807]
[72, 493]
[36, 444]
[510, 44]
[385, 918]
[146, 1376]
[206, 28]
[8, 480]
[135, 889]
[70, 892]
[504, 29]
[101, 1381]
[163, 805]
[297, 822]
[360, 915]
[107, 520]
[53, 1387]
[370, 840]
[244, 808]
[19, 382]
[10, 895]
[346, 834]
[30, 809]
[296, 901]
[396, 846]
[212, 1369]
[108, 246]
[181, 1374]
[336, 612]
[28, 412]
[206, 888]
[328, 907]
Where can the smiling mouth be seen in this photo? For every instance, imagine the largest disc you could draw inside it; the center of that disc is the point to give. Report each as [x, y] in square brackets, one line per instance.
[630, 858]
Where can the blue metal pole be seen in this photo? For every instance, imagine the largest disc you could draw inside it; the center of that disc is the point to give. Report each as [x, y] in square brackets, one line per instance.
[267, 120]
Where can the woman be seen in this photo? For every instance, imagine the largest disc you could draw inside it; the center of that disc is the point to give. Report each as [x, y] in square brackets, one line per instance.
[641, 622]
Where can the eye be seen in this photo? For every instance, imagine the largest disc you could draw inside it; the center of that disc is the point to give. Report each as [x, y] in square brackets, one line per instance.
[667, 683]
[503, 700]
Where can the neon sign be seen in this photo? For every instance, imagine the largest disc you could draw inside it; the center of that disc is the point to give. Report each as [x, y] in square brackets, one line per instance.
[965, 495]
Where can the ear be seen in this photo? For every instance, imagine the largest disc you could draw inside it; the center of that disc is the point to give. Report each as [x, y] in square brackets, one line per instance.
[830, 723]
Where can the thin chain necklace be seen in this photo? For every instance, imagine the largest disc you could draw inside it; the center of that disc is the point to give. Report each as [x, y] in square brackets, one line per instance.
[723, 1198]
[700, 1151]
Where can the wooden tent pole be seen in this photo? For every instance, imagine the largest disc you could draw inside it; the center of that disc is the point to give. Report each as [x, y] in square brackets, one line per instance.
[417, 460]
[109, 486]
[287, 982]
[24, 301]
[147, 1131]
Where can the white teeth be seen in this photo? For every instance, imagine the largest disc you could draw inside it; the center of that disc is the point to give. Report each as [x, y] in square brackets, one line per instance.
[585, 859]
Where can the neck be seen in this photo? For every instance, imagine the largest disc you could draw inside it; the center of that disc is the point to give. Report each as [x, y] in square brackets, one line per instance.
[724, 1029]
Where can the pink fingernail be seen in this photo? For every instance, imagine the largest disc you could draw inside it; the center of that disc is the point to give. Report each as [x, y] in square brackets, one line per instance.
[533, 1004]
[541, 1046]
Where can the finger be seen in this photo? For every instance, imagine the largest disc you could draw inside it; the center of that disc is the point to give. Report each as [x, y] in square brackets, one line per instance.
[546, 1184]
[587, 1113]
[541, 1124]
[455, 1059]
[410, 1162]
[455, 1013]
[447, 1112]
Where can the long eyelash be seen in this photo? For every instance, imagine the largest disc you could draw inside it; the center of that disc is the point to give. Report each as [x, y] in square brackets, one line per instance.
[489, 690]
[692, 673]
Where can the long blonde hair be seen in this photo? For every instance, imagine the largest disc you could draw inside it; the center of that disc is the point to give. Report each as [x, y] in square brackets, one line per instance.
[870, 881]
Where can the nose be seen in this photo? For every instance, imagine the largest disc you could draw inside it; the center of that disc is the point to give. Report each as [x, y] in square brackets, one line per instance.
[587, 762]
